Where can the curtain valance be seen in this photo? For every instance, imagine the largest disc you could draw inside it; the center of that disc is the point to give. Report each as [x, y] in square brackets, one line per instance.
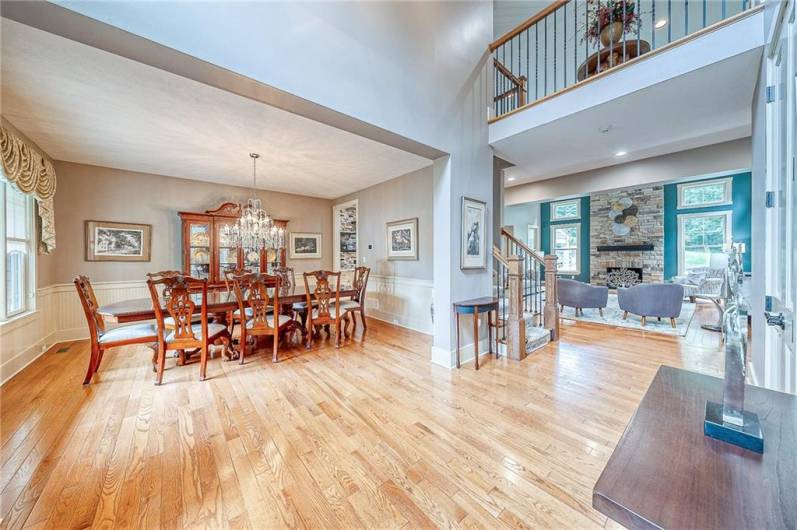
[33, 174]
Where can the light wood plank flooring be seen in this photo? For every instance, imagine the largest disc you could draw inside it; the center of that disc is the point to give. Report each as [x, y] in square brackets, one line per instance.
[371, 435]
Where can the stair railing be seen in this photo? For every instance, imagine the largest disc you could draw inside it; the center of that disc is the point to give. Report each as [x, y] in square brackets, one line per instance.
[570, 42]
[501, 284]
[538, 285]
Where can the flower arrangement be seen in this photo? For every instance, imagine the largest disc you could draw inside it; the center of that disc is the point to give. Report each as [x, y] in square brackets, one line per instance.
[601, 13]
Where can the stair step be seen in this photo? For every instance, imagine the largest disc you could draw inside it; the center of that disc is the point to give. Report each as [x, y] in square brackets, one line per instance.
[536, 337]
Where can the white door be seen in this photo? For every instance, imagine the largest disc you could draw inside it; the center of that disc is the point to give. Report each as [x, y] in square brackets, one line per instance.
[781, 222]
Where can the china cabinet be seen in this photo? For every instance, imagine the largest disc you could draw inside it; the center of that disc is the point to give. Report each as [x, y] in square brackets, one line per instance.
[207, 253]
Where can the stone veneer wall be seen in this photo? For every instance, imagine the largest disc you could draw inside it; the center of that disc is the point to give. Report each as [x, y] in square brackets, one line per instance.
[650, 229]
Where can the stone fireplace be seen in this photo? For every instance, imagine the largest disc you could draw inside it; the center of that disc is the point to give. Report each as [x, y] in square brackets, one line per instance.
[636, 245]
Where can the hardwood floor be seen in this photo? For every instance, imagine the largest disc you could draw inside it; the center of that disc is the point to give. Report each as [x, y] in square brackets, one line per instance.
[370, 435]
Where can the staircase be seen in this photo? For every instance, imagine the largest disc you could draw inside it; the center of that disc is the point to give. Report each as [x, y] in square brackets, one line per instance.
[525, 284]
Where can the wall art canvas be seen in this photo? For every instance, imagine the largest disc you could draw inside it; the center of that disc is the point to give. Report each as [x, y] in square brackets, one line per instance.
[474, 234]
[402, 239]
[112, 241]
[305, 246]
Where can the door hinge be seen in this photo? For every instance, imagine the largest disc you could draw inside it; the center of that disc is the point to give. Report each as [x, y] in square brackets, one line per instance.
[770, 199]
[770, 93]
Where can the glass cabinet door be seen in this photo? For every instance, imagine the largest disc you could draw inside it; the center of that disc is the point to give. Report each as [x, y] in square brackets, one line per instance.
[228, 252]
[199, 250]
[251, 260]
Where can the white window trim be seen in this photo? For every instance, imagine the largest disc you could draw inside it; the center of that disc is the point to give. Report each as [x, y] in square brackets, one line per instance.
[681, 220]
[577, 226]
[535, 230]
[30, 266]
[577, 202]
[727, 198]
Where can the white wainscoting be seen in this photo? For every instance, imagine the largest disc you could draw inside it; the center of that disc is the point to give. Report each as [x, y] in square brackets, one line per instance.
[406, 302]
[59, 317]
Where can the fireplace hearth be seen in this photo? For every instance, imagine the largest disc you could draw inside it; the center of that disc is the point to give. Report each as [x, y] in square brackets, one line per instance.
[623, 276]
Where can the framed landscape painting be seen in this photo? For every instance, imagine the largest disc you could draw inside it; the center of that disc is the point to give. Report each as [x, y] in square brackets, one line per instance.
[402, 239]
[305, 245]
[474, 237]
[110, 241]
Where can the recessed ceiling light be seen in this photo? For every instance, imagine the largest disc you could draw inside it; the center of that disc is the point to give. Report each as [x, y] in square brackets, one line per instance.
[620, 153]
[661, 23]
[510, 179]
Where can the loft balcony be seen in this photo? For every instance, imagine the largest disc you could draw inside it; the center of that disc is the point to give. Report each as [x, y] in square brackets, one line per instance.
[678, 74]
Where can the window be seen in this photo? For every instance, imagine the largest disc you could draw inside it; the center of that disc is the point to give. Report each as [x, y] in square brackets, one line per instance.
[699, 236]
[16, 223]
[531, 237]
[565, 210]
[717, 192]
[565, 243]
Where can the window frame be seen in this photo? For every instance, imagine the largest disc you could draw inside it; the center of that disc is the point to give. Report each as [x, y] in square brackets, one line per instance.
[727, 198]
[554, 204]
[577, 248]
[29, 274]
[682, 218]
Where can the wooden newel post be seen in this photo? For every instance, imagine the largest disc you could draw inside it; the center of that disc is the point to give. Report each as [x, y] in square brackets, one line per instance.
[516, 326]
[551, 310]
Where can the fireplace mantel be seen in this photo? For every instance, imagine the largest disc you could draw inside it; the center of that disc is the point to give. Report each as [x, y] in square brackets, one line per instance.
[637, 247]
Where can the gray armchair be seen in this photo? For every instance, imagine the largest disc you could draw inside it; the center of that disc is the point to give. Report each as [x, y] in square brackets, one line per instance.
[704, 281]
[573, 293]
[661, 300]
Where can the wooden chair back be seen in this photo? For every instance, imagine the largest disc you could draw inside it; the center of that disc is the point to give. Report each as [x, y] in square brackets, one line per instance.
[327, 292]
[360, 283]
[229, 276]
[90, 306]
[180, 305]
[287, 278]
[251, 289]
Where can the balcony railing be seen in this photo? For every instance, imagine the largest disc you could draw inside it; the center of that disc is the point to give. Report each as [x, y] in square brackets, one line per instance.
[573, 41]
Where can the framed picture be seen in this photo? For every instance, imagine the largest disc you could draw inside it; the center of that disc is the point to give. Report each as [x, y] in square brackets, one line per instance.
[109, 241]
[402, 239]
[474, 236]
[305, 246]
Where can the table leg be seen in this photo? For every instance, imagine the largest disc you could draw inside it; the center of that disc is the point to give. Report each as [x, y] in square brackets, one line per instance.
[457, 313]
[490, 330]
[476, 337]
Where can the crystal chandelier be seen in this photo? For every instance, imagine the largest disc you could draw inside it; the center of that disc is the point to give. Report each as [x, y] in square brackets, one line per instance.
[255, 230]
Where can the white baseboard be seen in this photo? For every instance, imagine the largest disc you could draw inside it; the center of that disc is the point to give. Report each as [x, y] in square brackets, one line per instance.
[448, 359]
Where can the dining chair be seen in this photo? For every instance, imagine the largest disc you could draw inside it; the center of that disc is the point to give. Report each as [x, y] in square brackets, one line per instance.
[102, 338]
[230, 274]
[252, 290]
[357, 302]
[178, 298]
[169, 321]
[327, 310]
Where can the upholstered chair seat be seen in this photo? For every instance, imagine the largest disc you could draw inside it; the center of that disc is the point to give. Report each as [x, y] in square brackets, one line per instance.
[348, 304]
[333, 312]
[126, 333]
[283, 319]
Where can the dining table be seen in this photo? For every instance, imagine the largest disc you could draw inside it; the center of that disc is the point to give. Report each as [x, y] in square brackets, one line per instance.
[220, 301]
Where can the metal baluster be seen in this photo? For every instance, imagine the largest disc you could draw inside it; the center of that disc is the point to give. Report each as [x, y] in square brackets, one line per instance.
[625, 14]
[528, 73]
[638, 10]
[686, 18]
[669, 21]
[545, 57]
[575, 42]
[598, 66]
[511, 102]
[536, 58]
[564, 54]
[554, 51]
[653, 26]
[586, 42]
[704, 12]
[724, 9]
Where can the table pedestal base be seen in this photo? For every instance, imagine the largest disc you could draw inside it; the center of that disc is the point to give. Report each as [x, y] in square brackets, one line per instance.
[747, 437]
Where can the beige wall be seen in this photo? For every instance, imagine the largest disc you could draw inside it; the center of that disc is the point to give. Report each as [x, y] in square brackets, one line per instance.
[718, 158]
[98, 193]
[403, 197]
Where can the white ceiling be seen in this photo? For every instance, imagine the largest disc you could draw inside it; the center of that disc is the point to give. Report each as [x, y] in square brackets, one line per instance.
[706, 106]
[81, 104]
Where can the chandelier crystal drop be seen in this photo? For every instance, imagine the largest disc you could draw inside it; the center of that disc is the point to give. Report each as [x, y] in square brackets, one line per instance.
[255, 229]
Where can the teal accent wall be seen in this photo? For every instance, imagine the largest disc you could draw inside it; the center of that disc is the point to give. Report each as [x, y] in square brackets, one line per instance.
[741, 219]
[545, 236]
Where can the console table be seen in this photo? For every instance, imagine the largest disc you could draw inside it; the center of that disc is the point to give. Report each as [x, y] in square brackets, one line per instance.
[664, 473]
[473, 307]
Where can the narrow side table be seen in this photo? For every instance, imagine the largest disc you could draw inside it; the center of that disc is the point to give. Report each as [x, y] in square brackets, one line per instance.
[473, 307]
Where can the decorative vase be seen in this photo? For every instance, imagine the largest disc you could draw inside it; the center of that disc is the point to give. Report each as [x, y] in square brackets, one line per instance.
[611, 33]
